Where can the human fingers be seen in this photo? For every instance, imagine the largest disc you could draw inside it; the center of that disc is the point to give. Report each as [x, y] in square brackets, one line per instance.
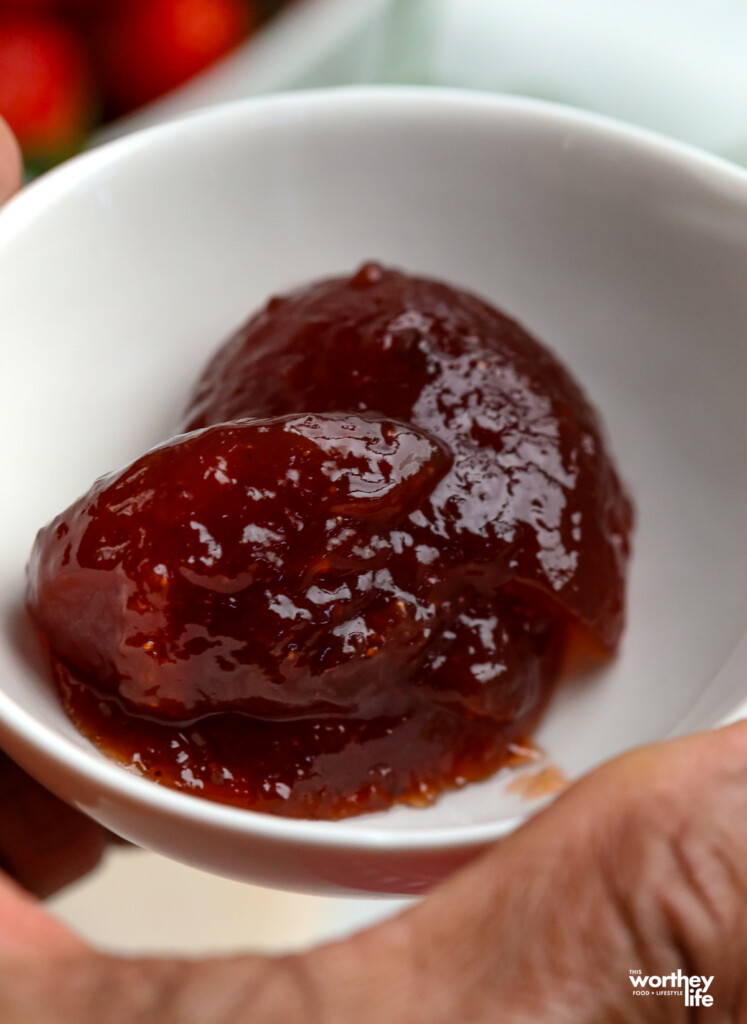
[641, 866]
[44, 844]
[10, 162]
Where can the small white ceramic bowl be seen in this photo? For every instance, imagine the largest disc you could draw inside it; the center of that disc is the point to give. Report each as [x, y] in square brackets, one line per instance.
[627, 254]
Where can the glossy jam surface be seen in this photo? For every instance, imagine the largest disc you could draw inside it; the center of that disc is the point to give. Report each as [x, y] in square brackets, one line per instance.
[354, 580]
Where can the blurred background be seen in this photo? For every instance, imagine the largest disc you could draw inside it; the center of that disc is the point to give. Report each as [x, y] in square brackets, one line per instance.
[76, 72]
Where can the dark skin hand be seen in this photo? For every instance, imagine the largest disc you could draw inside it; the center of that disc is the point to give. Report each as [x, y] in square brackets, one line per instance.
[640, 865]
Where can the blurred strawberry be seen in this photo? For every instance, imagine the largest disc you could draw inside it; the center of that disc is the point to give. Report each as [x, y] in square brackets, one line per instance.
[45, 93]
[148, 47]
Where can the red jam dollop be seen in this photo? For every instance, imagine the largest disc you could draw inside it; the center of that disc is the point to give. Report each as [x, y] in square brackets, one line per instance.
[354, 580]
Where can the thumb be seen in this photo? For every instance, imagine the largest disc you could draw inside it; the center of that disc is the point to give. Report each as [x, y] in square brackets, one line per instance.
[27, 930]
[11, 166]
[639, 866]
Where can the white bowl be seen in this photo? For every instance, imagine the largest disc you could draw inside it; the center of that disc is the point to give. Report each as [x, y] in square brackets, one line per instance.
[627, 254]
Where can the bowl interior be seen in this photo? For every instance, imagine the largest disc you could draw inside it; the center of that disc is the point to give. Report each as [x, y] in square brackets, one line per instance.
[122, 272]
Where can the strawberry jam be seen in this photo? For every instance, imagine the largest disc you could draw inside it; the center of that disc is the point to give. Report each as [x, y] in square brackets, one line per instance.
[354, 579]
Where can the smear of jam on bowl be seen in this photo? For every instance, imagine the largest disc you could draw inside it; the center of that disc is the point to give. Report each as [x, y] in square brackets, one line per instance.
[355, 578]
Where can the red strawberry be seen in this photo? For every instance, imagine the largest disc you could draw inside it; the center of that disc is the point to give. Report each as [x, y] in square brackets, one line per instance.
[148, 47]
[45, 91]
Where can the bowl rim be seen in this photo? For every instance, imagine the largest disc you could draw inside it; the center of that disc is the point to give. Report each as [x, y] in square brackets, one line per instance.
[390, 102]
